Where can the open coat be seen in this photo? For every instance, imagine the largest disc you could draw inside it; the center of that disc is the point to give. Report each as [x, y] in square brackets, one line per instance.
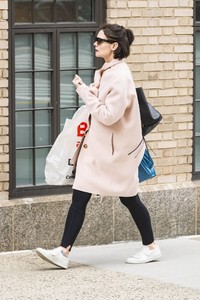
[113, 147]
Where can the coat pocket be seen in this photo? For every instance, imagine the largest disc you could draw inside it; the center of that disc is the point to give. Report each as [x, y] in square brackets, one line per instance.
[112, 144]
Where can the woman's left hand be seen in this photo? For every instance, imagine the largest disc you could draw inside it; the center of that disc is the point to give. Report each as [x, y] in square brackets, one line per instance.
[77, 81]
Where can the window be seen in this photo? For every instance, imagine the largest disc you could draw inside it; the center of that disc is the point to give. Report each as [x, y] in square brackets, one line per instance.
[196, 155]
[51, 11]
[50, 41]
[197, 102]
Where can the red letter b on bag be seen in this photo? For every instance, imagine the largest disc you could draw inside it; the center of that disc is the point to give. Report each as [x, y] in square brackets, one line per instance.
[81, 129]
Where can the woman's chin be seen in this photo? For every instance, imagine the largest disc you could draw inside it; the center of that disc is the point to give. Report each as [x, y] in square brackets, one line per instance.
[97, 54]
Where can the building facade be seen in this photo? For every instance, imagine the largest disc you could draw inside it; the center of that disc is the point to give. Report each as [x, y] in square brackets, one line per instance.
[42, 46]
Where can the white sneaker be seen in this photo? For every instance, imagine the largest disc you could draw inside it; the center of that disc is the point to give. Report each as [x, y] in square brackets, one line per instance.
[145, 255]
[54, 256]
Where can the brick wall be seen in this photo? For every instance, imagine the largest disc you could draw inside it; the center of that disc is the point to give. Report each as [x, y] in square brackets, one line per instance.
[4, 137]
[162, 63]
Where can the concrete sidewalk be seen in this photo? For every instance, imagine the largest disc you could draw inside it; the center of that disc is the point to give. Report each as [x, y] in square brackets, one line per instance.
[100, 272]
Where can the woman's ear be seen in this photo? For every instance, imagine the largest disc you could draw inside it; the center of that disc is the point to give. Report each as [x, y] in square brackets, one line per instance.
[114, 46]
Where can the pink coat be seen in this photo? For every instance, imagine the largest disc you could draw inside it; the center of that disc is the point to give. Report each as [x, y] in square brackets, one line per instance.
[113, 147]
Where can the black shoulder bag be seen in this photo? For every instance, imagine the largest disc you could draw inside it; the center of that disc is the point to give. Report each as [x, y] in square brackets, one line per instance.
[150, 117]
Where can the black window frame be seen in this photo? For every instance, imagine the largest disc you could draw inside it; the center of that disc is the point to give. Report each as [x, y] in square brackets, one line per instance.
[54, 29]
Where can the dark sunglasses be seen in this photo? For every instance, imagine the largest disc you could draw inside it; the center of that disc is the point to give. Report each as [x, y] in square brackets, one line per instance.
[100, 41]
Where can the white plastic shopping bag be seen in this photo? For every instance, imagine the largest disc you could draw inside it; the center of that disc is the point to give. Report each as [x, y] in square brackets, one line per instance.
[59, 169]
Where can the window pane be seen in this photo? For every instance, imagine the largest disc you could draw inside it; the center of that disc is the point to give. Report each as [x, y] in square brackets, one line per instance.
[66, 114]
[197, 50]
[85, 10]
[197, 119]
[42, 89]
[43, 11]
[67, 89]
[40, 155]
[42, 51]
[197, 154]
[42, 128]
[86, 50]
[197, 85]
[24, 125]
[67, 50]
[23, 90]
[198, 11]
[23, 11]
[54, 11]
[87, 76]
[66, 11]
[23, 52]
[24, 163]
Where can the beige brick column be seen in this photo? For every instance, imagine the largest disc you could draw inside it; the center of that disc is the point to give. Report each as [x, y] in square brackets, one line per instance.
[4, 135]
[162, 63]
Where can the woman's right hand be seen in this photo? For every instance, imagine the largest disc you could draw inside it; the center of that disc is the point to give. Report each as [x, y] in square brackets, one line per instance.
[77, 81]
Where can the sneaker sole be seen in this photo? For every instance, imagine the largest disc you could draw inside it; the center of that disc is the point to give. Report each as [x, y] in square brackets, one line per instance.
[146, 261]
[49, 260]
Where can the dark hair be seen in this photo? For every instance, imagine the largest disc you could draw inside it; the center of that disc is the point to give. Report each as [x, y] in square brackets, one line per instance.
[124, 37]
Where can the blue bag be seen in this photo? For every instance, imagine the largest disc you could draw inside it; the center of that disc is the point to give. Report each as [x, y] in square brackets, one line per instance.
[146, 168]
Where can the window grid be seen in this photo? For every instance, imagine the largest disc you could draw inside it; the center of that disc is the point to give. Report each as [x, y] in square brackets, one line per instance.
[26, 158]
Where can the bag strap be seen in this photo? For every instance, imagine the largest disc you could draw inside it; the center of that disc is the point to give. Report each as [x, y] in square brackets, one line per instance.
[149, 147]
[137, 146]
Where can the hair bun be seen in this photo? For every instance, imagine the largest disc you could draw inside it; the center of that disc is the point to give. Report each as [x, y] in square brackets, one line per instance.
[130, 36]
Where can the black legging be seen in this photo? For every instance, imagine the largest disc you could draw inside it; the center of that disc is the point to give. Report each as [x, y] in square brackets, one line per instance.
[77, 210]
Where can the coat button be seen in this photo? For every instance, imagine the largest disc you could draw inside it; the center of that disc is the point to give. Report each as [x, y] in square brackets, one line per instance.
[85, 145]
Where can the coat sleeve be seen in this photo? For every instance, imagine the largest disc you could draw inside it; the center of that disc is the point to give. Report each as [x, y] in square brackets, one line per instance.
[115, 104]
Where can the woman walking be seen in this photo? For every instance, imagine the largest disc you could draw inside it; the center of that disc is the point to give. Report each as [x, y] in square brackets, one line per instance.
[113, 147]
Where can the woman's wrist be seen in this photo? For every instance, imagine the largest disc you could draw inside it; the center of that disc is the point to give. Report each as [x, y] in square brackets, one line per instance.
[81, 85]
